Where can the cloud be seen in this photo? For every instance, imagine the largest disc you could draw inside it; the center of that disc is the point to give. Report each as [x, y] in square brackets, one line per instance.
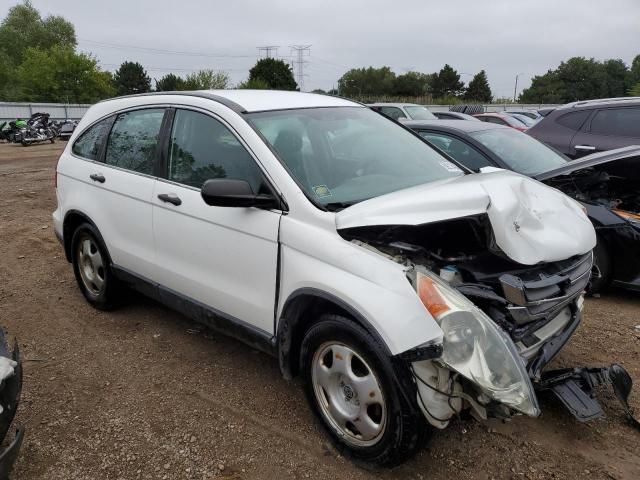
[504, 37]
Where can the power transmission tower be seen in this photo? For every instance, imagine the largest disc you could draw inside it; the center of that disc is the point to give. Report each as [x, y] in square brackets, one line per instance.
[268, 51]
[299, 62]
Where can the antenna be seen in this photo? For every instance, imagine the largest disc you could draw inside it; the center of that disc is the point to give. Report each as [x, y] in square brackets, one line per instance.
[299, 62]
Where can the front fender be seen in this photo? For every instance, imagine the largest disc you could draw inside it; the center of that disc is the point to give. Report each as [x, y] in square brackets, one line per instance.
[370, 284]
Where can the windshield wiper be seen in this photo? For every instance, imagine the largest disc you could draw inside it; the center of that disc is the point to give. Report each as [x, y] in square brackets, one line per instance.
[337, 206]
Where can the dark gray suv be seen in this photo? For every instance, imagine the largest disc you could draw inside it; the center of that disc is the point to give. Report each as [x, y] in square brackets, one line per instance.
[581, 128]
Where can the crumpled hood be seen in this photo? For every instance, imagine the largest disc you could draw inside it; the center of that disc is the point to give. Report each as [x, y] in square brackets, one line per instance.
[532, 222]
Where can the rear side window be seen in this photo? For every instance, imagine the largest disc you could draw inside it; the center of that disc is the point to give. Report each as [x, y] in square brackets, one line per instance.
[621, 122]
[496, 120]
[202, 148]
[573, 120]
[393, 112]
[458, 150]
[134, 140]
[90, 142]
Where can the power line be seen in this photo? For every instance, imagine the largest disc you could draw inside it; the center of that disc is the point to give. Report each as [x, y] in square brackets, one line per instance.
[298, 63]
[160, 51]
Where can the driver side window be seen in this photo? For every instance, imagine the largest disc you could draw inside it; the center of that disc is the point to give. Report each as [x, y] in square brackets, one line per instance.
[202, 148]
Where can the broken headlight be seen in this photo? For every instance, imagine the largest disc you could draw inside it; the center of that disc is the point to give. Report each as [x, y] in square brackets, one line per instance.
[475, 346]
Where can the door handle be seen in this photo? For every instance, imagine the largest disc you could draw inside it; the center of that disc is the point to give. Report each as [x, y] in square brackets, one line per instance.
[585, 148]
[97, 177]
[170, 198]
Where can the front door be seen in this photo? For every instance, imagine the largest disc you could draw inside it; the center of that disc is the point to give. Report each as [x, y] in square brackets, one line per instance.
[222, 257]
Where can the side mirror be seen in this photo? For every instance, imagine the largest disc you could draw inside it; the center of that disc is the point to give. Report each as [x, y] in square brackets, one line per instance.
[402, 119]
[224, 192]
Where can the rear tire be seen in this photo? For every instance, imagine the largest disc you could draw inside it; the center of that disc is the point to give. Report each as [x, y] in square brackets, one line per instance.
[366, 403]
[601, 266]
[92, 268]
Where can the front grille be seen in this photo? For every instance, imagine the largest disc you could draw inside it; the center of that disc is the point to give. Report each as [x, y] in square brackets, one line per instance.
[541, 293]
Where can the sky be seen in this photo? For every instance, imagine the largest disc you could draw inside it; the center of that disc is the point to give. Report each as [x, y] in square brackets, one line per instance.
[506, 38]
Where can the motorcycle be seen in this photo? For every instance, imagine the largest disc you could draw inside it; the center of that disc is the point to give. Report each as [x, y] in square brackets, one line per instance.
[38, 130]
[14, 132]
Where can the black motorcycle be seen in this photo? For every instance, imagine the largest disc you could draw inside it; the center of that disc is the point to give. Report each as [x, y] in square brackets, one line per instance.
[38, 130]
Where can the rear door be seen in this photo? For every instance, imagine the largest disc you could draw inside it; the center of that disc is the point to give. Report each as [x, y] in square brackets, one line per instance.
[608, 128]
[224, 258]
[114, 184]
[559, 130]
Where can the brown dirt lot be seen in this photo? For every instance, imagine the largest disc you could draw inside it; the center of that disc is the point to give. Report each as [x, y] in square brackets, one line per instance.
[142, 393]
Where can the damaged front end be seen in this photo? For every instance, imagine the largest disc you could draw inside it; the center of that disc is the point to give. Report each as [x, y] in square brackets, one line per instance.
[502, 321]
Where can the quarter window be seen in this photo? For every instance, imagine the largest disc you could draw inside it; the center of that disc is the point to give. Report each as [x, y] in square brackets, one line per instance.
[90, 142]
[202, 148]
[621, 122]
[573, 120]
[133, 142]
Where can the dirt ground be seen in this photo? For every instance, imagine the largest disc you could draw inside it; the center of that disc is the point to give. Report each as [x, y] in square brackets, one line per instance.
[142, 392]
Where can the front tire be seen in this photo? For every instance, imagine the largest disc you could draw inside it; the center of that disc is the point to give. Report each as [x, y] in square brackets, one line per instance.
[92, 268]
[366, 403]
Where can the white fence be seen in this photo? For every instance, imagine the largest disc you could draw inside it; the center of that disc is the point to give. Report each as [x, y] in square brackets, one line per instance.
[497, 107]
[62, 111]
[57, 111]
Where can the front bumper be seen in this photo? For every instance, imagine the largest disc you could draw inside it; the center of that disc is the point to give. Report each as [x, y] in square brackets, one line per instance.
[574, 387]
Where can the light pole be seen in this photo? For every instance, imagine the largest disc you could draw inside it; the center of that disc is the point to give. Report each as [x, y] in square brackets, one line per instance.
[515, 89]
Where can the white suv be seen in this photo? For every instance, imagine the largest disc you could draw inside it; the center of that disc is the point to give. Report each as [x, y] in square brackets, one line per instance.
[399, 286]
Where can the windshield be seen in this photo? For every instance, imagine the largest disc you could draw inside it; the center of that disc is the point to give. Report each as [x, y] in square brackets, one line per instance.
[420, 113]
[343, 155]
[519, 151]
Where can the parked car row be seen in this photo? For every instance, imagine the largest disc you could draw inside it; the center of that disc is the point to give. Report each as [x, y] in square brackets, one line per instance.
[401, 278]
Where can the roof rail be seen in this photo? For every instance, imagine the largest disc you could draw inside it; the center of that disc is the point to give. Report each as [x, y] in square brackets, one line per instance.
[597, 101]
[191, 93]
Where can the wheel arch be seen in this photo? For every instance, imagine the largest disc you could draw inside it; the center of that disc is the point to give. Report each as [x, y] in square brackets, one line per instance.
[301, 310]
[72, 220]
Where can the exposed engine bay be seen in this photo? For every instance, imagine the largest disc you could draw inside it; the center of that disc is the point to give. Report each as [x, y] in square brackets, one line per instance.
[611, 185]
[537, 306]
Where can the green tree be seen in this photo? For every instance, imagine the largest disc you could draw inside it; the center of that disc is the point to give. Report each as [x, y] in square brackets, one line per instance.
[206, 80]
[447, 83]
[275, 73]
[367, 81]
[255, 84]
[23, 28]
[634, 72]
[635, 90]
[170, 83]
[411, 84]
[580, 78]
[616, 76]
[61, 75]
[478, 89]
[547, 88]
[131, 78]
[7, 82]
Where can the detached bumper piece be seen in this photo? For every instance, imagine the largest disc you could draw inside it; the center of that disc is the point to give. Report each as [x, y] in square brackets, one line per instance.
[574, 387]
[10, 390]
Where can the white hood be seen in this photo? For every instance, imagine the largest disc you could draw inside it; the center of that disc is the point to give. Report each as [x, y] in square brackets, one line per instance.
[532, 223]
